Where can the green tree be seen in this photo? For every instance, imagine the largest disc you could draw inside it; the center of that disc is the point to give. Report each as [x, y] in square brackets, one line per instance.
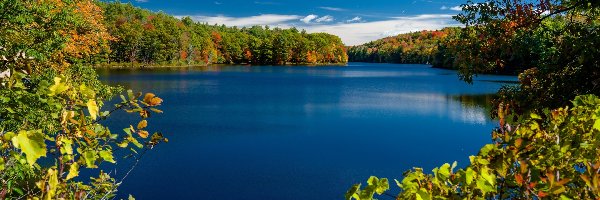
[52, 108]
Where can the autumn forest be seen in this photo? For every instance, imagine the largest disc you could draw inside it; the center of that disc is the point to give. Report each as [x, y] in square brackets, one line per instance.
[258, 112]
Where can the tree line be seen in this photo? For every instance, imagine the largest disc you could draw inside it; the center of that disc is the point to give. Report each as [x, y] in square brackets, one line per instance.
[411, 48]
[155, 38]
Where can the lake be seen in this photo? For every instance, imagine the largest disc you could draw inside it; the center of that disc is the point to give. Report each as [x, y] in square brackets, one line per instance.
[299, 132]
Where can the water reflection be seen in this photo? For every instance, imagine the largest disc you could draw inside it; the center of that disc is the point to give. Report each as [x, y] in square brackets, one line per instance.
[250, 129]
[473, 109]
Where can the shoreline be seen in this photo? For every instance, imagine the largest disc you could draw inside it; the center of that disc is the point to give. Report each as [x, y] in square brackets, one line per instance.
[154, 66]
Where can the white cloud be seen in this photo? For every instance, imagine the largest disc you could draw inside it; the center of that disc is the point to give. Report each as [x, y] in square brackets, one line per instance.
[326, 18]
[141, 1]
[355, 19]
[308, 18]
[264, 19]
[218, 3]
[355, 33]
[332, 8]
[454, 8]
[359, 33]
[266, 3]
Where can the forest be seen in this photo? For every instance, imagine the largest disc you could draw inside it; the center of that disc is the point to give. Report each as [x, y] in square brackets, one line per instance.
[150, 38]
[413, 48]
[54, 109]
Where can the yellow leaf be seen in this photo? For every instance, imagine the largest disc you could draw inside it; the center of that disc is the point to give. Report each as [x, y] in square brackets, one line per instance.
[152, 99]
[66, 146]
[32, 143]
[58, 87]
[597, 124]
[93, 109]
[143, 134]
[148, 97]
[142, 124]
[52, 183]
[73, 171]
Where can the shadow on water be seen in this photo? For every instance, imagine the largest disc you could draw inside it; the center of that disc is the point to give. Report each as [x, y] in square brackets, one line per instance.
[511, 82]
[483, 101]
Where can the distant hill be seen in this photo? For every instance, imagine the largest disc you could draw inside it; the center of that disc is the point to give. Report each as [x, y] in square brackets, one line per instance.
[415, 48]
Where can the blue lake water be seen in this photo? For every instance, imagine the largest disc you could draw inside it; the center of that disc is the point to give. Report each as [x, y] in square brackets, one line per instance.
[280, 132]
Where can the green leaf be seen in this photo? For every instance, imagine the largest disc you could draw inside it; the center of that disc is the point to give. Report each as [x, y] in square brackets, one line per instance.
[597, 124]
[135, 142]
[130, 95]
[373, 180]
[66, 146]
[383, 186]
[489, 177]
[535, 116]
[1, 164]
[58, 87]
[87, 92]
[422, 194]
[484, 186]
[123, 144]
[564, 197]
[485, 150]
[444, 171]
[32, 144]
[90, 158]
[352, 191]
[469, 175]
[128, 131]
[107, 156]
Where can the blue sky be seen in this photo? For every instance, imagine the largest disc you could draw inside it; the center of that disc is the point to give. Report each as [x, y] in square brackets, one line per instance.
[355, 21]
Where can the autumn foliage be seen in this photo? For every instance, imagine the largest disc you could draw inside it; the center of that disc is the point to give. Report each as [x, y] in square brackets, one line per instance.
[151, 38]
[415, 48]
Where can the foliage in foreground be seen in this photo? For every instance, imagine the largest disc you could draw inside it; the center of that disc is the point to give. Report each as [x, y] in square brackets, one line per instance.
[551, 155]
[553, 43]
[52, 109]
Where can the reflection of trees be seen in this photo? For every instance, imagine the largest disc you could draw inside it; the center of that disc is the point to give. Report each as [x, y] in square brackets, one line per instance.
[476, 101]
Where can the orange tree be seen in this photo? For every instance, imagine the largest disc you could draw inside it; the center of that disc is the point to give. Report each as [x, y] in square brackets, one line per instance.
[552, 43]
[52, 108]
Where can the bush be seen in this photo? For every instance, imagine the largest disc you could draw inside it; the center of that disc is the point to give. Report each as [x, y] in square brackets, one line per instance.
[552, 155]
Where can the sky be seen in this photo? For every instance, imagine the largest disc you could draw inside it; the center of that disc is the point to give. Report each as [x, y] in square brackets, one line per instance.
[355, 21]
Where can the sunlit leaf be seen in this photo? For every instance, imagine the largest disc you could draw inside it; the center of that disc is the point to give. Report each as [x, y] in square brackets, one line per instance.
[52, 183]
[73, 171]
[58, 87]
[107, 156]
[142, 124]
[469, 175]
[32, 143]
[93, 109]
[90, 158]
